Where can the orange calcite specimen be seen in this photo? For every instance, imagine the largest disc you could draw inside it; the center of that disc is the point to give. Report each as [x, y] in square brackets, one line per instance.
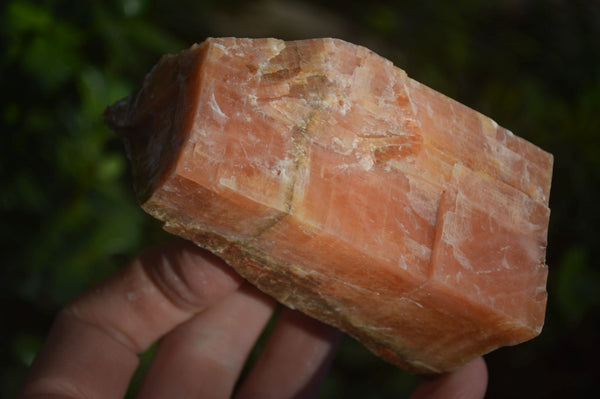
[345, 189]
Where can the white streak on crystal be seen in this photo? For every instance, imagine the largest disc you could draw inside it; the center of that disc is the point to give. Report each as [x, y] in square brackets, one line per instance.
[366, 162]
[253, 99]
[221, 47]
[452, 239]
[412, 301]
[215, 107]
[228, 182]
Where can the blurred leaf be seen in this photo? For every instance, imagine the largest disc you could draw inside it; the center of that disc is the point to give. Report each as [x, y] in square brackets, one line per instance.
[132, 8]
[27, 17]
[577, 285]
[49, 49]
[25, 347]
[97, 89]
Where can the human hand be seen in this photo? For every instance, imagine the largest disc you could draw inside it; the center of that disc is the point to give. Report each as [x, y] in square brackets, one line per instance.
[208, 320]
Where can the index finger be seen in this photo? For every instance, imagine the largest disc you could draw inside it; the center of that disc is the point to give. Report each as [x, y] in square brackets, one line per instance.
[92, 348]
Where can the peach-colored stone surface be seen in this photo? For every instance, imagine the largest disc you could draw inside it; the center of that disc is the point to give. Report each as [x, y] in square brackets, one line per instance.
[334, 182]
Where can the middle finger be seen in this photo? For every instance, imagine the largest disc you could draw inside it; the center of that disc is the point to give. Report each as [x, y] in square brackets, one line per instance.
[204, 356]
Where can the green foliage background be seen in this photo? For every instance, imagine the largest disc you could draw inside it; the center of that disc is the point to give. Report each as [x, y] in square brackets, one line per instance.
[69, 217]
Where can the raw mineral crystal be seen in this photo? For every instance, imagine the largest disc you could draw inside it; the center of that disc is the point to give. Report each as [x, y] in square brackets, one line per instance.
[335, 183]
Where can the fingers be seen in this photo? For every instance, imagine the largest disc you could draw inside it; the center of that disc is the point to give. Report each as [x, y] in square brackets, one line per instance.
[468, 382]
[77, 360]
[92, 349]
[294, 361]
[204, 357]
